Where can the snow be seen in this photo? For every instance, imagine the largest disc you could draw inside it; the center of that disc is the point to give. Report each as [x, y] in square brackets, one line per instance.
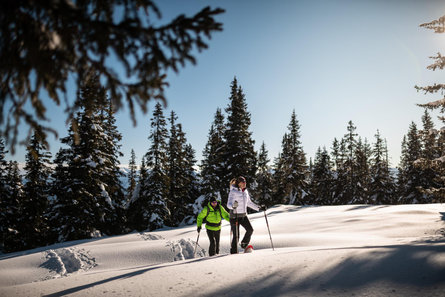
[354, 250]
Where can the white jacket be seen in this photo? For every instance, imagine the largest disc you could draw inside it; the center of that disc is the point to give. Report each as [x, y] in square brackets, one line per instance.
[243, 199]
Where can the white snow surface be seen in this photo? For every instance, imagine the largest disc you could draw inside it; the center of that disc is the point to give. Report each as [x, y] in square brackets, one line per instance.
[354, 250]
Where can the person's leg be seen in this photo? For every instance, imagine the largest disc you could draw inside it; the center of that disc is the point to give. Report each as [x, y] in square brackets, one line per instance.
[235, 231]
[249, 230]
[217, 236]
[211, 236]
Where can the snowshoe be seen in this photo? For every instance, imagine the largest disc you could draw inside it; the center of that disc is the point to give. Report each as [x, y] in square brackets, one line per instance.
[248, 249]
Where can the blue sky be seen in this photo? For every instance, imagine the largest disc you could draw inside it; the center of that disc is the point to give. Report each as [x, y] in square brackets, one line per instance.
[332, 61]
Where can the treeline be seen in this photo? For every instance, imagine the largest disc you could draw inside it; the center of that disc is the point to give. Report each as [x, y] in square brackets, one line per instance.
[78, 194]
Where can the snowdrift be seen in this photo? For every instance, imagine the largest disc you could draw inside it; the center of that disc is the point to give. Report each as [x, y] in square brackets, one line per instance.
[351, 250]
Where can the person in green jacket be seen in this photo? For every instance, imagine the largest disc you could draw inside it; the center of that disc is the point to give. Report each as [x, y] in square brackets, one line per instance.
[213, 213]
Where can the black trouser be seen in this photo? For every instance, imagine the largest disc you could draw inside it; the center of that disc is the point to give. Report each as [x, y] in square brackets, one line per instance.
[243, 221]
[214, 241]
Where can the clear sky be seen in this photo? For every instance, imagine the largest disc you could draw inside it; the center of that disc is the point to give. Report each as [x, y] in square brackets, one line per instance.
[332, 61]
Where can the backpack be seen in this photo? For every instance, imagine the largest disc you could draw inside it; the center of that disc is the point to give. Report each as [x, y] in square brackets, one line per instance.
[204, 220]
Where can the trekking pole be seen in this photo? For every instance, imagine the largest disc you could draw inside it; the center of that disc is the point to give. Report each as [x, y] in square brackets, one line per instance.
[235, 205]
[267, 223]
[196, 245]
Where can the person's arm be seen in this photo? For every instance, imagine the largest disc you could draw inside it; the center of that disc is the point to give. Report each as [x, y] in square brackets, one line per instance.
[224, 213]
[250, 203]
[201, 216]
[230, 200]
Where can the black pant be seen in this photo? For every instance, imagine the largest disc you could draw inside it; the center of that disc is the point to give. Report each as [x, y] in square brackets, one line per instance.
[214, 241]
[243, 221]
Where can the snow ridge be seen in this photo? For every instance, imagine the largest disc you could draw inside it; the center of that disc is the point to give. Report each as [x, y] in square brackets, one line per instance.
[64, 261]
[184, 249]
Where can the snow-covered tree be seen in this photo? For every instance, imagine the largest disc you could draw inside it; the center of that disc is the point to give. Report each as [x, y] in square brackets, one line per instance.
[362, 174]
[61, 206]
[132, 177]
[264, 190]
[340, 173]
[33, 223]
[11, 209]
[150, 210]
[239, 152]
[3, 194]
[291, 169]
[430, 152]
[410, 176]
[437, 164]
[350, 164]
[91, 193]
[182, 178]
[382, 187]
[213, 165]
[114, 219]
[191, 184]
[322, 179]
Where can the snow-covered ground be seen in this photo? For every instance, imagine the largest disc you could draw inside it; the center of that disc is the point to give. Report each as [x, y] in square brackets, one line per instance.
[354, 250]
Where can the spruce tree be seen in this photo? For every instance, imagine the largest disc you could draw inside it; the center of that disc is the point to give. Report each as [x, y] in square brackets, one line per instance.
[3, 165]
[181, 159]
[410, 191]
[62, 206]
[34, 225]
[264, 191]
[293, 170]
[11, 209]
[350, 165]
[430, 152]
[322, 179]
[438, 163]
[213, 165]
[338, 157]
[191, 185]
[92, 192]
[132, 177]
[402, 178]
[174, 163]
[150, 210]
[240, 154]
[3, 194]
[114, 219]
[382, 185]
[362, 157]
[279, 176]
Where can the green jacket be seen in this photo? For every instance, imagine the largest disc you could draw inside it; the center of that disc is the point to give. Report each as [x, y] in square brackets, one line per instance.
[213, 216]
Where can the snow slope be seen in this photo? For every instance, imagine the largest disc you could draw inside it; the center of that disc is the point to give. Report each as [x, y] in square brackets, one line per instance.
[355, 250]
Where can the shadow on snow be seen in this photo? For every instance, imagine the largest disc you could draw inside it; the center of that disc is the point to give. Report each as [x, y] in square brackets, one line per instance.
[406, 266]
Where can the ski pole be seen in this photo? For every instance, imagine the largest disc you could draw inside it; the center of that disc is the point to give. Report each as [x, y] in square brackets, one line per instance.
[196, 245]
[267, 223]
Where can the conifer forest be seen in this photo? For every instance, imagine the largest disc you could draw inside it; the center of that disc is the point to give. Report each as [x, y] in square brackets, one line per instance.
[79, 193]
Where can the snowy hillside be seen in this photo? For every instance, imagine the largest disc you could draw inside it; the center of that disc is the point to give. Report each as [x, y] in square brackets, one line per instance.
[319, 251]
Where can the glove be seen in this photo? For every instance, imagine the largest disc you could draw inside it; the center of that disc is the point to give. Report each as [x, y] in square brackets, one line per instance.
[199, 229]
[235, 204]
[263, 208]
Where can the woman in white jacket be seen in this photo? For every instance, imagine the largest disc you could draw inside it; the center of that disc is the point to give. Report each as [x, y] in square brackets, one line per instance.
[237, 203]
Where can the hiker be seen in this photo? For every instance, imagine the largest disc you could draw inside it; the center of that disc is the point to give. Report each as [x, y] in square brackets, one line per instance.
[238, 201]
[211, 215]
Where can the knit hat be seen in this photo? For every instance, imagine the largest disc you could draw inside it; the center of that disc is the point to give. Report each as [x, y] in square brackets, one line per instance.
[212, 199]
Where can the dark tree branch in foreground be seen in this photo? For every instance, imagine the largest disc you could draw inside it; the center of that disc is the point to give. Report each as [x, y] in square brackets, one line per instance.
[47, 45]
